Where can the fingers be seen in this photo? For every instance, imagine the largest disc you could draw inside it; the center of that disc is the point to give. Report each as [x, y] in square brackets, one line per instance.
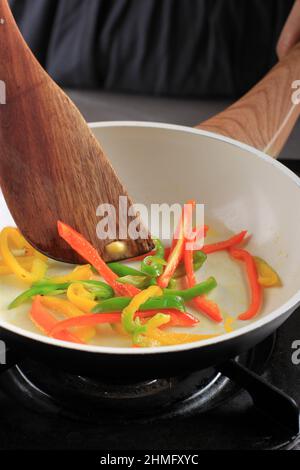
[290, 34]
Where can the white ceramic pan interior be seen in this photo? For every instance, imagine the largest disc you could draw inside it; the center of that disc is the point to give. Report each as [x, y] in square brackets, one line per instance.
[241, 188]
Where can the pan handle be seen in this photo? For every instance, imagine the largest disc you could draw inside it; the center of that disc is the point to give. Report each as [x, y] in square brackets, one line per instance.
[269, 399]
[266, 115]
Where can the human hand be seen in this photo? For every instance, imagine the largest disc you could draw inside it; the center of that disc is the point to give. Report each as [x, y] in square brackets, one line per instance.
[290, 34]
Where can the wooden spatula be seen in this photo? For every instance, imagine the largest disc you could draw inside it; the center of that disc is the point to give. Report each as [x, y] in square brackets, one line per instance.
[51, 166]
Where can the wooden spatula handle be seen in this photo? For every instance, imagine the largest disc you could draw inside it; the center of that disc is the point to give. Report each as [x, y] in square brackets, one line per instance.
[266, 115]
[51, 165]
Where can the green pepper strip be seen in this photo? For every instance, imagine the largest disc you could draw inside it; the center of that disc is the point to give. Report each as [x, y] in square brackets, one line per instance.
[100, 289]
[199, 259]
[123, 270]
[44, 287]
[154, 265]
[195, 291]
[142, 282]
[117, 304]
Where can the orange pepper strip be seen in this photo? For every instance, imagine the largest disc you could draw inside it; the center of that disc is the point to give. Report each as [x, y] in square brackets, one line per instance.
[177, 252]
[225, 244]
[201, 303]
[177, 319]
[45, 321]
[89, 253]
[256, 290]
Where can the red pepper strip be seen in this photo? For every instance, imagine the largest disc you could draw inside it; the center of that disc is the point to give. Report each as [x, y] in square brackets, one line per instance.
[89, 253]
[255, 287]
[169, 248]
[201, 303]
[224, 245]
[200, 232]
[177, 319]
[177, 252]
[45, 321]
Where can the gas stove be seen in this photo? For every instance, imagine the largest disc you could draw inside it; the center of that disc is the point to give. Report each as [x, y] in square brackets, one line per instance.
[48, 409]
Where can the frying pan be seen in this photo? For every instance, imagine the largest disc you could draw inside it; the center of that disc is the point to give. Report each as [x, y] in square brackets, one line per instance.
[223, 163]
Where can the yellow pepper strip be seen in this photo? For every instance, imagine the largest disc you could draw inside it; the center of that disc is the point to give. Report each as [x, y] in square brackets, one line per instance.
[25, 261]
[38, 267]
[69, 310]
[166, 339]
[130, 323]
[80, 273]
[4, 270]
[118, 328]
[78, 295]
[228, 324]
[158, 320]
[267, 276]
[20, 243]
[153, 324]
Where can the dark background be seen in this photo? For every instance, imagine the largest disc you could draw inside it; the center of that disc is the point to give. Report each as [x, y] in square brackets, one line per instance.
[177, 61]
[200, 48]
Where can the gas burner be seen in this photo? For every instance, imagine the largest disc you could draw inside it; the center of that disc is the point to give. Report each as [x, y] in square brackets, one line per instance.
[87, 398]
[205, 409]
[52, 390]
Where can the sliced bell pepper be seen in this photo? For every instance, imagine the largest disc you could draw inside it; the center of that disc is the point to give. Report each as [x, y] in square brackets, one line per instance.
[66, 308]
[228, 324]
[86, 294]
[129, 322]
[45, 322]
[78, 295]
[88, 252]
[199, 259]
[39, 265]
[172, 283]
[156, 337]
[256, 290]
[154, 265]
[167, 249]
[195, 291]
[267, 276]
[117, 304]
[141, 282]
[54, 289]
[177, 319]
[122, 270]
[208, 307]
[177, 252]
[25, 261]
[46, 287]
[200, 232]
[201, 303]
[20, 243]
[141, 337]
[80, 273]
[225, 244]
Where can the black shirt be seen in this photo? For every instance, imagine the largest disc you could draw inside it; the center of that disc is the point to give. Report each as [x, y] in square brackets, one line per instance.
[169, 47]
